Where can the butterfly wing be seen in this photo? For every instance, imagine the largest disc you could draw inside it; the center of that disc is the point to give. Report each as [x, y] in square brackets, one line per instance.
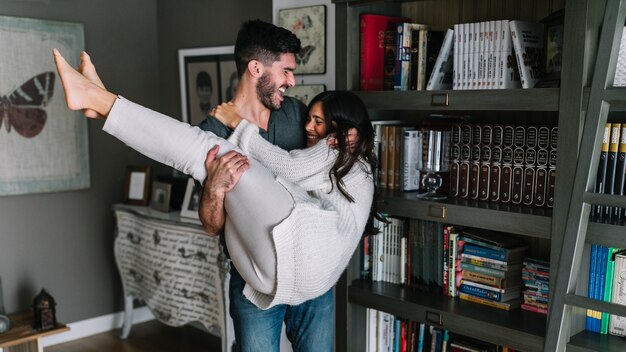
[304, 55]
[24, 110]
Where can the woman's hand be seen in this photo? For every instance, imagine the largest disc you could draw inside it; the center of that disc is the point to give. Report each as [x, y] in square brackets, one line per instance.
[228, 114]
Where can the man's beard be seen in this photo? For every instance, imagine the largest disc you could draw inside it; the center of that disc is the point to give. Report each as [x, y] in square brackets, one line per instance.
[265, 90]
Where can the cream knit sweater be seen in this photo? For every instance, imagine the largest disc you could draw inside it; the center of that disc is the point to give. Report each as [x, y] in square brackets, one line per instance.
[314, 243]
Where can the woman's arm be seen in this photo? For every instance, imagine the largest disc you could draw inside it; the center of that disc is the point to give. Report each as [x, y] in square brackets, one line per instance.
[307, 167]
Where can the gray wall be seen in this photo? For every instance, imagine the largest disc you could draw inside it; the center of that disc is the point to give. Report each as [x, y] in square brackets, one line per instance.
[63, 241]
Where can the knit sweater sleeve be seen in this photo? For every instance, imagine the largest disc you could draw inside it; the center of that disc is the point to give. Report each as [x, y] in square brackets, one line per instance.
[163, 138]
[307, 167]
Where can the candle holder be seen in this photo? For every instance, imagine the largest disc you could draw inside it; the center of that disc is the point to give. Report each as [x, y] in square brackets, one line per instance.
[435, 160]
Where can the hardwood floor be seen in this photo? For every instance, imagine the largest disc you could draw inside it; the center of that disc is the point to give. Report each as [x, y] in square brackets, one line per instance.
[151, 336]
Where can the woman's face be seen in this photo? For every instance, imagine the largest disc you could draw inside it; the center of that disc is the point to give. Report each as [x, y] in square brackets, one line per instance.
[315, 126]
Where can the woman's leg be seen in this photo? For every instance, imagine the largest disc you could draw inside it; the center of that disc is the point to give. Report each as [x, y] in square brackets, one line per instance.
[256, 204]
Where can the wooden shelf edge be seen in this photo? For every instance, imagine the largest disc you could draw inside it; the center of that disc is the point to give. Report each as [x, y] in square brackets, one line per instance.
[522, 220]
[519, 329]
[591, 341]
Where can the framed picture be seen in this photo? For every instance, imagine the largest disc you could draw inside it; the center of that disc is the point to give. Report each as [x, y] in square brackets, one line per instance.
[305, 92]
[160, 198]
[136, 185]
[191, 203]
[206, 79]
[44, 145]
[309, 25]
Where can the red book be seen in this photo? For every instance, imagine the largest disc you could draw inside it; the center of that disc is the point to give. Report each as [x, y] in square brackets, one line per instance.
[373, 48]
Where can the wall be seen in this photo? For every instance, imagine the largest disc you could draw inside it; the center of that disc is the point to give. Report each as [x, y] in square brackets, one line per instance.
[200, 23]
[63, 241]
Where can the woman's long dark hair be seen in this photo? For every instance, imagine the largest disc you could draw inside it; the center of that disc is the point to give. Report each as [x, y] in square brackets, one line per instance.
[343, 110]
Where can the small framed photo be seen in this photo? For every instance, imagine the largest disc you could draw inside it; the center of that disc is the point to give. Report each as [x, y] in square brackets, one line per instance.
[305, 92]
[161, 194]
[206, 79]
[191, 202]
[136, 185]
[309, 25]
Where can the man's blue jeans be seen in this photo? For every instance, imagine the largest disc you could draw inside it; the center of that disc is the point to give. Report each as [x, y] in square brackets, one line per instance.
[310, 325]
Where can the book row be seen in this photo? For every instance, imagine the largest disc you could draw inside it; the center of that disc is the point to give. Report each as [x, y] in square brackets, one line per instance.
[396, 54]
[611, 175]
[387, 333]
[607, 282]
[504, 163]
[486, 267]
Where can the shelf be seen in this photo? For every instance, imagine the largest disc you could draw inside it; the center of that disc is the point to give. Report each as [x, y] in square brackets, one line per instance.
[22, 332]
[524, 220]
[518, 328]
[593, 304]
[540, 99]
[587, 341]
[615, 96]
[606, 234]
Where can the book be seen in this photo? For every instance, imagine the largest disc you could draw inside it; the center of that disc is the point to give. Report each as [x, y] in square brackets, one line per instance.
[528, 44]
[372, 29]
[411, 160]
[441, 75]
[620, 173]
[404, 40]
[597, 210]
[492, 239]
[617, 324]
[513, 279]
[611, 166]
[389, 61]
[488, 271]
[508, 305]
[509, 72]
[489, 292]
[508, 255]
[489, 263]
[433, 40]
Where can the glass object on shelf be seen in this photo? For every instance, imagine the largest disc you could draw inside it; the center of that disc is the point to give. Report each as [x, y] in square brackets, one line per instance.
[435, 160]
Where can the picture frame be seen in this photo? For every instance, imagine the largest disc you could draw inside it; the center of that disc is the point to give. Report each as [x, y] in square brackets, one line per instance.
[191, 202]
[309, 25]
[137, 185]
[161, 195]
[305, 92]
[205, 80]
[45, 145]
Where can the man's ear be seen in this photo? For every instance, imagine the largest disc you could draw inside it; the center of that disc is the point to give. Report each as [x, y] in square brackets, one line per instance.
[255, 68]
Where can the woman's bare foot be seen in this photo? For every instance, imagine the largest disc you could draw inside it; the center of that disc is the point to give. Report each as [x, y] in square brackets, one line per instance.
[80, 92]
[88, 70]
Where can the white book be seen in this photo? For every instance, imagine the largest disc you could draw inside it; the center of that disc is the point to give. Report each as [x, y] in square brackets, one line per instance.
[482, 55]
[617, 325]
[468, 46]
[528, 43]
[442, 75]
[371, 342]
[465, 72]
[509, 71]
[456, 50]
[491, 55]
[403, 259]
[620, 70]
[411, 157]
[497, 34]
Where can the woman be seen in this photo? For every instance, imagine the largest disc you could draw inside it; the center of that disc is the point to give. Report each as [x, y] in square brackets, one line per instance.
[321, 198]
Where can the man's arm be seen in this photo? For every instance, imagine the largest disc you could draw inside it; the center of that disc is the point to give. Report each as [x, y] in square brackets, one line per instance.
[222, 175]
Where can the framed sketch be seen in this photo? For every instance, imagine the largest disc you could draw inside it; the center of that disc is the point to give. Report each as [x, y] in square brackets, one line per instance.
[305, 92]
[137, 185]
[309, 25]
[205, 79]
[44, 145]
[161, 194]
[191, 203]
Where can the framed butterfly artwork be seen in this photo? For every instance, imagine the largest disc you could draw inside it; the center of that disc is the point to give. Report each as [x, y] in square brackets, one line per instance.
[43, 145]
[309, 25]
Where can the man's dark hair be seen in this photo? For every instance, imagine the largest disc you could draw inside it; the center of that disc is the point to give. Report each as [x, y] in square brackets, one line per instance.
[262, 41]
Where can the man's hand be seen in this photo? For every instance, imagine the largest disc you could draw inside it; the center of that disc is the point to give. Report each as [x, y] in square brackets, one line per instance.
[222, 175]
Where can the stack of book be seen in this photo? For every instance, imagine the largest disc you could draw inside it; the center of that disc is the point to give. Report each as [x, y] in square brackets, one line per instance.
[491, 264]
[536, 277]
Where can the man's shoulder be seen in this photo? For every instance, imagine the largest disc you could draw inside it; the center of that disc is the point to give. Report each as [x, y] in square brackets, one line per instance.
[216, 126]
[293, 108]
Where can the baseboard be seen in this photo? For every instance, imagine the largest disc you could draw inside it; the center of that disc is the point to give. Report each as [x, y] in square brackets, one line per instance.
[97, 325]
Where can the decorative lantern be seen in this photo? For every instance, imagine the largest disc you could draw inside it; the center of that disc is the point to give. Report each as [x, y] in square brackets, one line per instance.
[44, 311]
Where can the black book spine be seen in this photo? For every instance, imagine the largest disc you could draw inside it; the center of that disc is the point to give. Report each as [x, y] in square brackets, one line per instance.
[611, 165]
[601, 175]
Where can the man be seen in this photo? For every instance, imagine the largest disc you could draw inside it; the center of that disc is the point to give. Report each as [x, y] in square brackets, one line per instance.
[265, 59]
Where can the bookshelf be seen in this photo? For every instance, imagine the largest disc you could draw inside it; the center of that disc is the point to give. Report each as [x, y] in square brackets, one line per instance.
[560, 106]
